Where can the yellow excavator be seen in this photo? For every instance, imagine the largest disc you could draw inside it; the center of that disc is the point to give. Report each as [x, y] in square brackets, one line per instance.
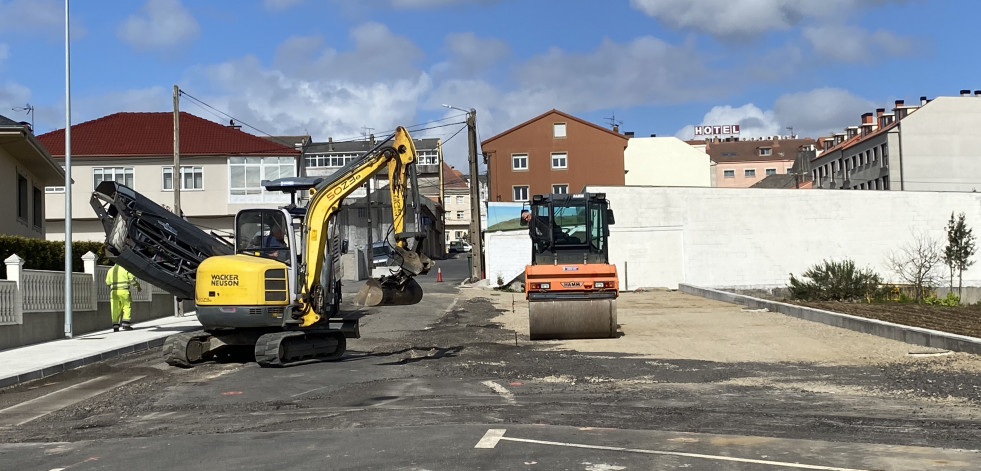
[276, 286]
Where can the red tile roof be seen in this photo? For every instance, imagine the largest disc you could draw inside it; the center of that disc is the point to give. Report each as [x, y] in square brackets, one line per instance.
[152, 134]
[453, 178]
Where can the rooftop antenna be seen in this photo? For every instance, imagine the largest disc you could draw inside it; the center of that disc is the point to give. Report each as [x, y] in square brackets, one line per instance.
[366, 131]
[613, 121]
[29, 109]
[791, 129]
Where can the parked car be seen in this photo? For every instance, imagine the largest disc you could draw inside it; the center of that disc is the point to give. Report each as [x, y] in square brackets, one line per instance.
[460, 246]
[381, 253]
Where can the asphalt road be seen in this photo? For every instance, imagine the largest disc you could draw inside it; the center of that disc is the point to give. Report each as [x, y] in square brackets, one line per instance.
[439, 385]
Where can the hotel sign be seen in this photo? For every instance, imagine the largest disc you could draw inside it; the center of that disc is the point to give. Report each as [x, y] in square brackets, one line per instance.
[713, 130]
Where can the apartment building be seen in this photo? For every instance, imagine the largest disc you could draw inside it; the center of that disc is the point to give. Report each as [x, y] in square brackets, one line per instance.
[741, 163]
[221, 169]
[552, 153]
[458, 210]
[931, 146]
[27, 168]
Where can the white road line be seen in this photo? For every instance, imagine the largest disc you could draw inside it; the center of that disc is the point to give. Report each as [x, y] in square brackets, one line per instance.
[493, 436]
[505, 394]
[38, 407]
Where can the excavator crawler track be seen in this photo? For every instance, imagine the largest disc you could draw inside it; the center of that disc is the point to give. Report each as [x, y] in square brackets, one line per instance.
[281, 349]
[186, 349]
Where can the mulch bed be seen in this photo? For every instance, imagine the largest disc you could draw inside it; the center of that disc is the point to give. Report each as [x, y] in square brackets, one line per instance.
[962, 320]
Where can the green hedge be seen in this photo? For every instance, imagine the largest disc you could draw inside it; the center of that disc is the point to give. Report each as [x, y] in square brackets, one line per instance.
[39, 254]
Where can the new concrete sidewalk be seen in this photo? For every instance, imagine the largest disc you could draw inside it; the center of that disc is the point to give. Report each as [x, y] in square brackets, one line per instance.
[22, 364]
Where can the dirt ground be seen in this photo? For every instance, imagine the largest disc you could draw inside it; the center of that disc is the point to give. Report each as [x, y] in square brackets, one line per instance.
[961, 320]
[670, 324]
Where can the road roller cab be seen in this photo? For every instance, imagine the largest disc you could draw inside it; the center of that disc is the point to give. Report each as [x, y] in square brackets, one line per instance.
[570, 285]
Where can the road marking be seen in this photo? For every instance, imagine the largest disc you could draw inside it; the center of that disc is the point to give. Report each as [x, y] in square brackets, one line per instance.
[493, 436]
[505, 394]
[38, 407]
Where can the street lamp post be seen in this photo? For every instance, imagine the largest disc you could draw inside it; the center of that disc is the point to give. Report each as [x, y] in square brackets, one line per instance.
[476, 241]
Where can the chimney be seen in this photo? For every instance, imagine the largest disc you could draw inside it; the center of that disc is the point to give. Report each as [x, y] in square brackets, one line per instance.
[231, 124]
[879, 112]
[629, 134]
[965, 93]
[27, 126]
[977, 93]
[330, 144]
[616, 128]
[867, 118]
[371, 138]
[899, 112]
[653, 135]
[923, 100]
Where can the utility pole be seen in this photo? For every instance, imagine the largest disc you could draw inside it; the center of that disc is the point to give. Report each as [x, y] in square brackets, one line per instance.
[477, 251]
[176, 177]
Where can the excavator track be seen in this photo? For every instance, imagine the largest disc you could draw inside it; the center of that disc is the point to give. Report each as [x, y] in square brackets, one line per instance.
[185, 349]
[279, 349]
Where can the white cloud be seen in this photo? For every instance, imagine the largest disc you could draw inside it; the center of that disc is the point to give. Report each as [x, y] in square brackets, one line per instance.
[729, 18]
[814, 113]
[378, 53]
[644, 71]
[821, 111]
[470, 54]
[281, 4]
[325, 107]
[46, 17]
[163, 24]
[853, 44]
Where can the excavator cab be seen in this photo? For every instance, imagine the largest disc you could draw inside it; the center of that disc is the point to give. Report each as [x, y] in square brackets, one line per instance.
[570, 285]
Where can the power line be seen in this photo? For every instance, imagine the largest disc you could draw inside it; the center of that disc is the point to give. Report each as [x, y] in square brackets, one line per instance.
[234, 119]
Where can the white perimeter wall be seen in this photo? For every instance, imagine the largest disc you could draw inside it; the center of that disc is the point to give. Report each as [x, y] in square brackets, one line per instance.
[665, 161]
[753, 236]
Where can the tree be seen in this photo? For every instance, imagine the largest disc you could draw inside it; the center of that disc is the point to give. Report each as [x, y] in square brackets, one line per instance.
[916, 263]
[959, 250]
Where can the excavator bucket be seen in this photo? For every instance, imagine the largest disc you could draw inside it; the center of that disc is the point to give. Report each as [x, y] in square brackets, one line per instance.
[390, 291]
[412, 263]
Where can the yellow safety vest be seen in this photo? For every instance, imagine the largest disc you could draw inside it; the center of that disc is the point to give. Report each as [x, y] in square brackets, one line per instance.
[119, 279]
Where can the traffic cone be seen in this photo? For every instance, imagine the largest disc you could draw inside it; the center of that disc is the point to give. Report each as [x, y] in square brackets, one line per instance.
[439, 274]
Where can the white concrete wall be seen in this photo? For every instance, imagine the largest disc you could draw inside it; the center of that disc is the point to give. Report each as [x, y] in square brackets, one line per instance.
[506, 254]
[758, 237]
[665, 161]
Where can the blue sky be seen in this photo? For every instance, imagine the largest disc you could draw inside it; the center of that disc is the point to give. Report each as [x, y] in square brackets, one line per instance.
[336, 68]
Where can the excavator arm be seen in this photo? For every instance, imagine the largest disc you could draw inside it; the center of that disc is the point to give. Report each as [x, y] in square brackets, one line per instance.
[398, 155]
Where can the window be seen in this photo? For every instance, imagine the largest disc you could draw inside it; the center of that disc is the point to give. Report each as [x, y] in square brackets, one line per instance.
[749, 173]
[765, 151]
[560, 189]
[558, 130]
[22, 197]
[54, 189]
[245, 175]
[519, 161]
[520, 193]
[728, 174]
[560, 160]
[458, 234]
[38, 208]
[122, 175]
[459, 200]
[192, 178]
[770, 171]
[329, 160]
[459, 215]
[428, 157]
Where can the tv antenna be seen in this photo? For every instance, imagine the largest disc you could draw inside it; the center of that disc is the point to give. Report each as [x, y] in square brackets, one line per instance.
[29, 109]
[613, 121]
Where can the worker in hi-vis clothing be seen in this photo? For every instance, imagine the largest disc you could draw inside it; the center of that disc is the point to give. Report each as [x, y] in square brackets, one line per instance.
[119, 281]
